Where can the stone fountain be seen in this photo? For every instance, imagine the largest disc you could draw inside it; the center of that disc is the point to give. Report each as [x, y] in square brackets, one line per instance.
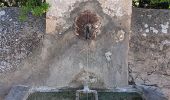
[91, 39]
[86, 45]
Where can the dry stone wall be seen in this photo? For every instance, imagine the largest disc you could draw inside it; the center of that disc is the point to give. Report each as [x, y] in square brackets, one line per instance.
[149, 52]
[17, 38]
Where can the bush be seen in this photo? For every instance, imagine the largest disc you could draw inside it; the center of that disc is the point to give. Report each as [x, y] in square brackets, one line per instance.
[156, 4]
[12, 3]
[36, 7]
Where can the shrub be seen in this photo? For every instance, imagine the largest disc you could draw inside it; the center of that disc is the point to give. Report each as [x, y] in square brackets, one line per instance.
[36, 7]
[156, 4]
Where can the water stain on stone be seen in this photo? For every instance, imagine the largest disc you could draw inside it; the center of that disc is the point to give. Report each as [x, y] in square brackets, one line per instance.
[86, 25]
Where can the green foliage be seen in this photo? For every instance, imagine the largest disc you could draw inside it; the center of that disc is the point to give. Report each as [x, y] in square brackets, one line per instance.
[159, 1]
[12, 3]
[156, 4]
[23, 13]
[36, 7]
[1, 5]
[135, 3]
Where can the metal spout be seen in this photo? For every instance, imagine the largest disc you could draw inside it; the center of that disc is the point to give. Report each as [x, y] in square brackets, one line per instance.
[86, 90]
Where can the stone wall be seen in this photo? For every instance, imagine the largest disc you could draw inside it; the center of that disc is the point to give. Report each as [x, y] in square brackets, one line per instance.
[63, 59]
[103, 57]
[149, 53]
[18, 40]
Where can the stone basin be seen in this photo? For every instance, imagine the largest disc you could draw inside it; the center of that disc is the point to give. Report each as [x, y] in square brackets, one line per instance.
[47, 93]
[71, 95]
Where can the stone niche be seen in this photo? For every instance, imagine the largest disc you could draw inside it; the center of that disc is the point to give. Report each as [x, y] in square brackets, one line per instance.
[90, 43]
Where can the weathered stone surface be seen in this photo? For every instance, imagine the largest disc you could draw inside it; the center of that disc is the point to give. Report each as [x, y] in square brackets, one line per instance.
[148, 56]
[150, 92]
[18, 93]
[17, 39]
[149, 53]
[86, 60]
[60, 12]
[62, 59]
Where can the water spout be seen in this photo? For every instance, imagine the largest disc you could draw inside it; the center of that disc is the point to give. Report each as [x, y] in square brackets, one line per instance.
[88, 31]
[86, 90]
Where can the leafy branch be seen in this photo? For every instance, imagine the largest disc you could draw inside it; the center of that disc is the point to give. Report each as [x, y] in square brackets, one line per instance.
[36, 7]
